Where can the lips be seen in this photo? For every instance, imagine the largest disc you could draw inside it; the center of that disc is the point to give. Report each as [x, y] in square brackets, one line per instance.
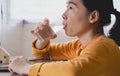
[64, 24]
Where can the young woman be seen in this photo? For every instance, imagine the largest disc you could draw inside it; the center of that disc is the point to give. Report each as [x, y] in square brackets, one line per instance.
[92, 54]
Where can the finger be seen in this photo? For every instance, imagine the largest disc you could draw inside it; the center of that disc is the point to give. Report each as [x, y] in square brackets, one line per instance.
[53, 36]
[10, 70]
[46, 21]
[32, 31]
[14, 60]
[38, 29]
[25, 59]
[35, 30]
[41, 27]
[22, 74]
[42, 31]
[20, 57]
[42, 34]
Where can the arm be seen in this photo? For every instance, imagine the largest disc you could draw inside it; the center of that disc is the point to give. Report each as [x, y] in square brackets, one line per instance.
[92, 61]
[59, 51]
[84, 65]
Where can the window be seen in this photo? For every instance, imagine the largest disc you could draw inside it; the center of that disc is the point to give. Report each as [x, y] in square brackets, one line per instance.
[35, 9]
[3, 11]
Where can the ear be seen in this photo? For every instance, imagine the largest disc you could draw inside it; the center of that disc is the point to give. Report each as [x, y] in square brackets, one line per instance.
[94, 17]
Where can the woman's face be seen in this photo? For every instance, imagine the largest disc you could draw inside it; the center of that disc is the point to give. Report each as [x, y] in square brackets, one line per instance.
[75, 18]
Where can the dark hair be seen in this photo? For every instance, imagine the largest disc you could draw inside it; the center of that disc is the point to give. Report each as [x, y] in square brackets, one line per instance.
[105, 9]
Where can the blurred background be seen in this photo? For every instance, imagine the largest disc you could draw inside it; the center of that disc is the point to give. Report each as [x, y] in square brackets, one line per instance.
[18, 17]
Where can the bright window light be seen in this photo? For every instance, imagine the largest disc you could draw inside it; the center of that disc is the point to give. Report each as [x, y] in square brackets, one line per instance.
[39, 9]
[36, 9]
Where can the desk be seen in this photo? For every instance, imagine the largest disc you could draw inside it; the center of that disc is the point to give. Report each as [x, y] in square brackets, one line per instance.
[3, 73]
[9, 74]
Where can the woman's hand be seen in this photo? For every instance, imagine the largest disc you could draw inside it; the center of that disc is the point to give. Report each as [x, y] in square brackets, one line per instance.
[44, 34]
[19, 65]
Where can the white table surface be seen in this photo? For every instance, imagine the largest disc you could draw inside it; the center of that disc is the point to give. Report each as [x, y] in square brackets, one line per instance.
[9, 74]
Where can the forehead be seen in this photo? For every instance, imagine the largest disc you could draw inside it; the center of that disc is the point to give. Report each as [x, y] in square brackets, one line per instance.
[73, 1]
[77, 3]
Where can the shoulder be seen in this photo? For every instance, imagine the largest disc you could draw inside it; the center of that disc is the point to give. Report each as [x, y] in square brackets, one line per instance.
[102, 42]
[101, 45]
[71, 42]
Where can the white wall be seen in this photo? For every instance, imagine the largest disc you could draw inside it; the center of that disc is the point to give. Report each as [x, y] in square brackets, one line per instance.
[12, 39]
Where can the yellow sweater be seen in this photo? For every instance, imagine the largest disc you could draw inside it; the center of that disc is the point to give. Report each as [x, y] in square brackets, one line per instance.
[101, 57]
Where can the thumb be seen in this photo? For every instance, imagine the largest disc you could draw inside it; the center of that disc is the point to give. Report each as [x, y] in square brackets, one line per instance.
[32, 31]
[53, 36]
[46, 21]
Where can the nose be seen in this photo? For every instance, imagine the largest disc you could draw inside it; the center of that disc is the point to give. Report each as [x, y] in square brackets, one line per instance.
[64, 16]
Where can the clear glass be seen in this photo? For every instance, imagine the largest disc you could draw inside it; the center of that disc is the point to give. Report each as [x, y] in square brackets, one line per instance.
[49, 31]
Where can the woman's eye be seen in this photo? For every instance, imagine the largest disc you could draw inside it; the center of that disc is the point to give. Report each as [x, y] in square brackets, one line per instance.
[70, 8]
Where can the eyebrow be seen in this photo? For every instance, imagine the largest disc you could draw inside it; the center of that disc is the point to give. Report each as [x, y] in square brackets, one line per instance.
[71, 3]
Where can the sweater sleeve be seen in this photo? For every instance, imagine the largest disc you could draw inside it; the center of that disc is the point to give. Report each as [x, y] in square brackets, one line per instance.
[58, 51]
[90, 62]
[40, 53]
[85, 65]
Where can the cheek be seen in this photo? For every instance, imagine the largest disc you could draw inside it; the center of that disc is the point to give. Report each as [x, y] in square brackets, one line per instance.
[77, 23]
[82, 27]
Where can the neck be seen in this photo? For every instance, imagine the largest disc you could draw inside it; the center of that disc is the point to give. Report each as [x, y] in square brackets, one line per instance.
[88, 37]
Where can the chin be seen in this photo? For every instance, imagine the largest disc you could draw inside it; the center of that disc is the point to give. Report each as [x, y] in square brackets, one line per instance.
[70, 35]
